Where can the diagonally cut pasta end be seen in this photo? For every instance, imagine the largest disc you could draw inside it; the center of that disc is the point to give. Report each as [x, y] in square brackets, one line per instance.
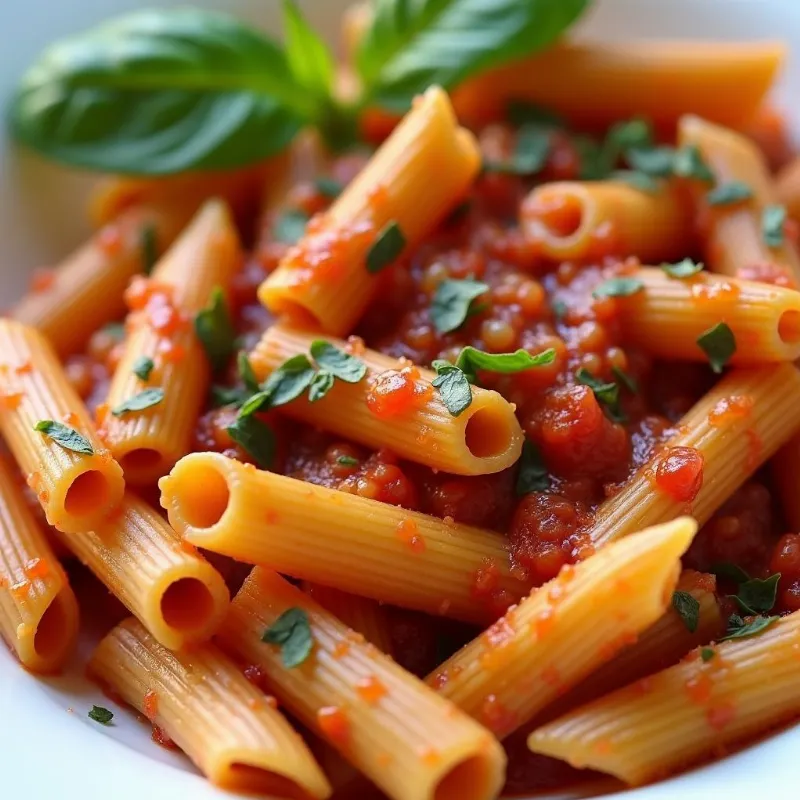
[478, 776]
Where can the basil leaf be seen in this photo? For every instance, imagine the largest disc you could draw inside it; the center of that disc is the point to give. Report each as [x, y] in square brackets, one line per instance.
[626, 380]
[757, 595]
[638, 180]
[386, 248]
[67, 437]
[142, 367]
[341, 365]
[742, 630]
[292, 632]
[410, 46]
[594, 164]
[159, 92]
[772, 221]
[290, 226]
[101, 715]
[533, 475]
[309, 58]
[530, 153]
[733, 572]
[689, 163]
[214, 329]
[453, 386]
[228, 396]
[618, 287]
[347, 461]
[286, 383]
[719, 344]
[246, 372]
[328, 187]
[320, 386]
[521, 112]
[607, 394]
[729, 193]
[148, 242]
[255, 438]
[139, 402]
[451, 303]
[657, 162]
[470, 360]
[688, 609]
[631, 134]
[683, 269]
[707, 653]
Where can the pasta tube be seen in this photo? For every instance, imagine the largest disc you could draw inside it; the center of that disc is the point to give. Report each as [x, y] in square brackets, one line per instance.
[327, 280]
[86, 290]
[677, 717]
[38, 611]
[201, 700]
[179, 597]
[733, 233]
[596, 84]
[562, 632]
[486, 437]
[669, 314]
[412, 743]
[76, 480]
[393, 555]
[720, 442]
[148, 442]
[584, 220]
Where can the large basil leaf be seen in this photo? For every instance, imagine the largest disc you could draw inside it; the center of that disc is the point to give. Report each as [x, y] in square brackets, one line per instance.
[412, 44]
[156, 92]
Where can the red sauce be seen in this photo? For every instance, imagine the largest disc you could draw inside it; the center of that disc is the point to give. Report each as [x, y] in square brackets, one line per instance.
[680, 473]
[334, 724]
[397, 391]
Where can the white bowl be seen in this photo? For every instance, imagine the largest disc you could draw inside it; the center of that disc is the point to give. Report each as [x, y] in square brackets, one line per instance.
[47, 750]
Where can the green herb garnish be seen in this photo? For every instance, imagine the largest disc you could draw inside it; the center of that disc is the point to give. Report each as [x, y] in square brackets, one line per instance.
[533, 475]
[625, 380]
[291, 631]
[707, 653]
[149, 247]
[638, 180]
[719, 344]
[101, 715]
[255, 438]
[453, 301]
[772, 222]
[619, 287]
[142, 367]
[139, 402]
[756, 595]
[386, 248]
[67, 437]
[453, 387]
[683, 269]
[729, 193]
[214, 329]
[740, 629]
[607, 393]
[688, 162]
[530, 153]
[328, 187]
[290, 226]
[341, 365]
[347, 461]
[688, 609]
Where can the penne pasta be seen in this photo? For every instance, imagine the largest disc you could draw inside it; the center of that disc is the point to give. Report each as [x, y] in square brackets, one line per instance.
[591, 219]
[201, 700]
[148, 442]
[362, 614]
[733, 233]
[411, 742]
[668, 315]
[393, 555]
[722, 440]
[685, 713]
[566, 629]
[77, 481]
[179, 597]
[326, 280]
[38, 610]
[486, 437]
[596, 84]
[86, 290]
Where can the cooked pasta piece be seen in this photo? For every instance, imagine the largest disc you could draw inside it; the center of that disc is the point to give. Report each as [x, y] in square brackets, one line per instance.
[76, 480]
[148, 442]
[362, 614]
[566, 629]
[787, 188]
[685, 713]
[733, 233]
[395, 406]
[86, 290]
[38, 611]
[393, 555]
[203, 702]
[721, 441]
[596, 84]
[174, 591]
[591, 219]
[328, 278]
[411, 742]
[668, 315]
[663, 644]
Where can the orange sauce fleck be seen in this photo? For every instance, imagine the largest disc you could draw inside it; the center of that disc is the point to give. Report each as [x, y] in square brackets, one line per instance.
[161, 738]
[370, 689]
[24, 369]
[324, 254]
[551, 676]
[430, 756]
[499, 633]
[395, 392]
[333, 723]
[680, 473]
[730, 409]
[716, 293]
[271, 701]
[37, 568]
[721, 715]
[109, 240]
[20, 590]
[70, 418]
[272, 516]
[603, 747]
[150, 704]
[171, 352]
[43, 279]
[408, 534]
[378, 197]
[341, 649]
[10, 400]
[698, 687]
[101, 414]
[486, 579]
[496, 716]
[355, 346]
[754, 449]
[543, 622]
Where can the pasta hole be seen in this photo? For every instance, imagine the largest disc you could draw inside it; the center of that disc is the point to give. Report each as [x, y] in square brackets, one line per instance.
[187, 604]
[465, 780]
[249, 779]
[143, 459]
[296, 315]
[789, 327]
[487, 433]
[560, 213]
[88, 492]
[49, 639]
[201, 497]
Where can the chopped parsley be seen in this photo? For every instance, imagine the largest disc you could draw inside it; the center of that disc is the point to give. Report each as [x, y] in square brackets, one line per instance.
[740, 629]
[772, 222]
[246, 372]
[657, 162]
[67, 437]
[689, 163]
[142, 367]
[101, 715]
[683, 269]
[386, 248]
[341, 365]
[688, 609]
[453, 303]
[453, 387]
[255, 438]
[533, 475]
[328, 187]
[756, 596]
[719, 344]
[290, 226]
[729, 193]
[215, 331]
[607, 394]
[139, 402]
[626, 380]
[638, 180]
[320, 386]
[619, 287]
[291, 631]
[707, 653]
[530, 153]
[729, 570]
[347, 461]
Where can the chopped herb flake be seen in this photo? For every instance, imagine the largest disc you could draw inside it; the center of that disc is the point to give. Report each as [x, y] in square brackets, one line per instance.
[683, 269]
[255, 438]
[470, 360]
[386, 248]
[139, 402]
[638, 180]
[228, 396]
[707, 653]
[101, 715]
[719, 344]
[453, 387]
[149, 247]
[246, 373]
[533, 475]
[347, 461]
[291, 631]
[286, 383]
[728, 193]
[290, 226]
[739, 629]
[328, 187]
[628, 381]
[756, 595]
[215, 331]
[320, 386]
[67, 437]
[733, 572]
[656, 162]
[452, 303]
[772, 222]
[618, 287]
[142, 367]
[559, 309]
[116, 330]
[689, 163]
[607, 394]
[341, 365]
[530, 153]
[688, 609]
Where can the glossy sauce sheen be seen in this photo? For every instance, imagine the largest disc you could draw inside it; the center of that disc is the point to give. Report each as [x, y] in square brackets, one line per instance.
[531, 304]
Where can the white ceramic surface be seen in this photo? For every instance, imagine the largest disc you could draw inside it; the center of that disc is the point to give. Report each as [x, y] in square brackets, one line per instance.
[49, 749]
